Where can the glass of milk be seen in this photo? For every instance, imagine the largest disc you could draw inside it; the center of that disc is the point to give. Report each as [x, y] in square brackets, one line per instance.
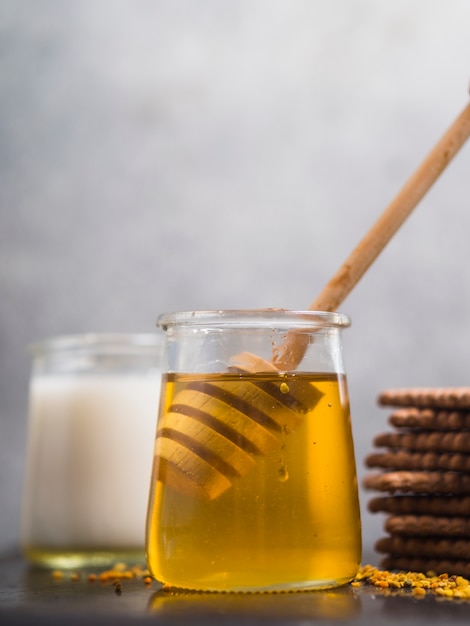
[91, 429]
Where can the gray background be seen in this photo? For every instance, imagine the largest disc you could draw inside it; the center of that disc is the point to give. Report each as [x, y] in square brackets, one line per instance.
[161, 155]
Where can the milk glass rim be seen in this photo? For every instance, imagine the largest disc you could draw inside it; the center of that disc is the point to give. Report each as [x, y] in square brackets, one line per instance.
[92, 340]
[254, 318]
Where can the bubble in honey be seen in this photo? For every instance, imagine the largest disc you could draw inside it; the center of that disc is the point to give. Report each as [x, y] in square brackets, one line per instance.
[283, 474]
[284, 388]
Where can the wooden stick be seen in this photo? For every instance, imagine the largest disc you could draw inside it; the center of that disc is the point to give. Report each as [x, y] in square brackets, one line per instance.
[351, 271]
[394, 215]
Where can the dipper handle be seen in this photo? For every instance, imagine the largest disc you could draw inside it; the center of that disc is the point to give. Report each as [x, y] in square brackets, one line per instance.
[351, 271]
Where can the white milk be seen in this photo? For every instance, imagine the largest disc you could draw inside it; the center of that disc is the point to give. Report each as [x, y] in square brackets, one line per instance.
[89, 460]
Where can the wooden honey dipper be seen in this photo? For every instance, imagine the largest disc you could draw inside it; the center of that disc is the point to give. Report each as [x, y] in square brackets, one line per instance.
[211, 434]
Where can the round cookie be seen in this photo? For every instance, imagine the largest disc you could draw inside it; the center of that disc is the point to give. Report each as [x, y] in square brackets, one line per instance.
[428, 525]
[429, 419]
[443, 441]
[428, 547]
[421, 505]
[427, 397]
[419, 482]
[410, 460]
[423, 564]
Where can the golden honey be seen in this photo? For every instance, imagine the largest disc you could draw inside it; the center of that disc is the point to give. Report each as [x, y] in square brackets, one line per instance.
[281, 511]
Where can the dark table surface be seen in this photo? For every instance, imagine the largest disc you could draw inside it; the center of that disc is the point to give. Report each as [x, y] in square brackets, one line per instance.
[33, 596]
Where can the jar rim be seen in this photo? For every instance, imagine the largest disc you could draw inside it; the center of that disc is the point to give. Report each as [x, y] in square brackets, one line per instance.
[98, 340]
[254, 318]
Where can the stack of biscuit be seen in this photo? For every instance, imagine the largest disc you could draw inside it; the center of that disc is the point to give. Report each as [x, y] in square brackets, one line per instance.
[422, 470]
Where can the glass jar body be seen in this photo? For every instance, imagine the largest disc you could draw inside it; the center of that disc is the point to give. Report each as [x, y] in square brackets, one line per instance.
[254, 481]
[92, 405]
